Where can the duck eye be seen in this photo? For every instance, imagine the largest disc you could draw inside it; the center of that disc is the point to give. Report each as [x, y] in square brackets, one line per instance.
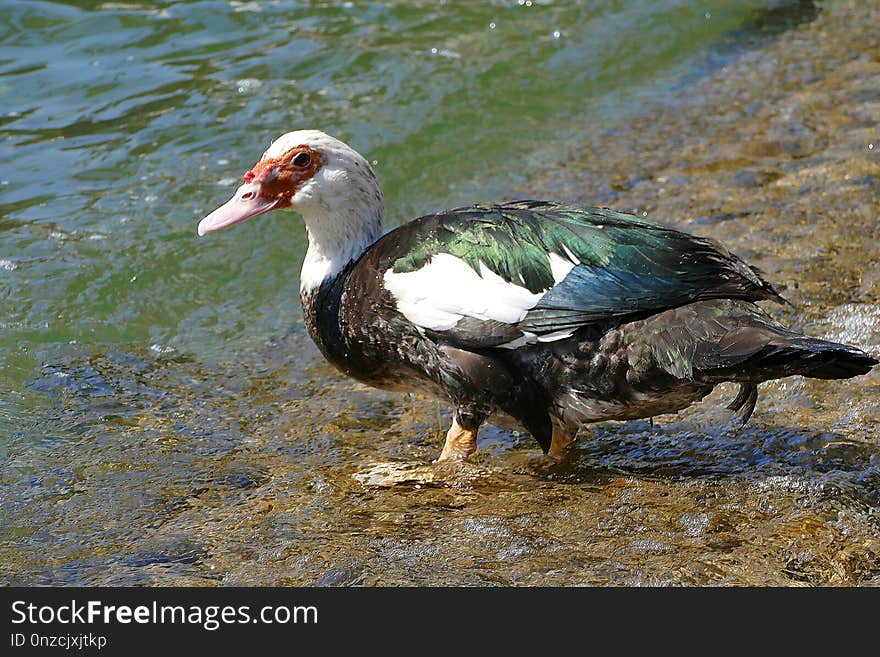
[301, 160]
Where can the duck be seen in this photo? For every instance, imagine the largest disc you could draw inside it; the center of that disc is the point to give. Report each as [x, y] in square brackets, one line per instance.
[536, 315]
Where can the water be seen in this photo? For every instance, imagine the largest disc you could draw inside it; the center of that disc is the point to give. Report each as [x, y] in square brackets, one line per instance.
[157, 393]
[124, 123]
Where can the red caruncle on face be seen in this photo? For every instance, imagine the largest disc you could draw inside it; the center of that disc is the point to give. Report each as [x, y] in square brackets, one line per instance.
[280, 177]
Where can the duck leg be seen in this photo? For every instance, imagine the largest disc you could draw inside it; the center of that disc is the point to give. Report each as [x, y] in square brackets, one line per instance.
[461, 439]
[562, 440]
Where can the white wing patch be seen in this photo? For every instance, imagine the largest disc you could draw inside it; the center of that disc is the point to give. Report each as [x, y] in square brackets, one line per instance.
[556, 335]
[560, 266]
[528, 337]
[571, 256]
[447, 289]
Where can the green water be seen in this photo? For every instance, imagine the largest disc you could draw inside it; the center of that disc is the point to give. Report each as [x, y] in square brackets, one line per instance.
[124, 123]
[128, 345]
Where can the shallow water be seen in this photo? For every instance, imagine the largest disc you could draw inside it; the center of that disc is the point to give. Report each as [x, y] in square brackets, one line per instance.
[165, 420]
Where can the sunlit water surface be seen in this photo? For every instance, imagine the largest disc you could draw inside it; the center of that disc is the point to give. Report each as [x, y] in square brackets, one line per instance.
[165, 420]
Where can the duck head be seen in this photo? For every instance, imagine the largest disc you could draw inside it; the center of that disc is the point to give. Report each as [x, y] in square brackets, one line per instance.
[328, 183]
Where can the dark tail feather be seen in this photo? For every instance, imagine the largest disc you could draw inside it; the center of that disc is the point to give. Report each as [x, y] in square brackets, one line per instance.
[759, 349]
[811, 357]
[728, 340]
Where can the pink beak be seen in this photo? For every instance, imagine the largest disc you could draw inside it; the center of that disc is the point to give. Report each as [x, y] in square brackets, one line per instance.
[245, 203]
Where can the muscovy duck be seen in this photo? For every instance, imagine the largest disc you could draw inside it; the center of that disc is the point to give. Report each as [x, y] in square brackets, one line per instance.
[531, 314]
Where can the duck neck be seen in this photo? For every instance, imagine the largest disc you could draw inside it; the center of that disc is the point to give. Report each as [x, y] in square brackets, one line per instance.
[334, 247]
[335, 241]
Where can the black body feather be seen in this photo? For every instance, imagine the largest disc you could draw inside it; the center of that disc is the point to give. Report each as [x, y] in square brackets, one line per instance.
[657, 319]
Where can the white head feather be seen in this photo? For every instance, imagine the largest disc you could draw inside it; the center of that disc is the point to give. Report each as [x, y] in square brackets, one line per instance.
[342, 204]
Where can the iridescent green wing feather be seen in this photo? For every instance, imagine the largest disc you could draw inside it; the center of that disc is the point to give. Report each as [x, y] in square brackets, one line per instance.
[620, 264]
